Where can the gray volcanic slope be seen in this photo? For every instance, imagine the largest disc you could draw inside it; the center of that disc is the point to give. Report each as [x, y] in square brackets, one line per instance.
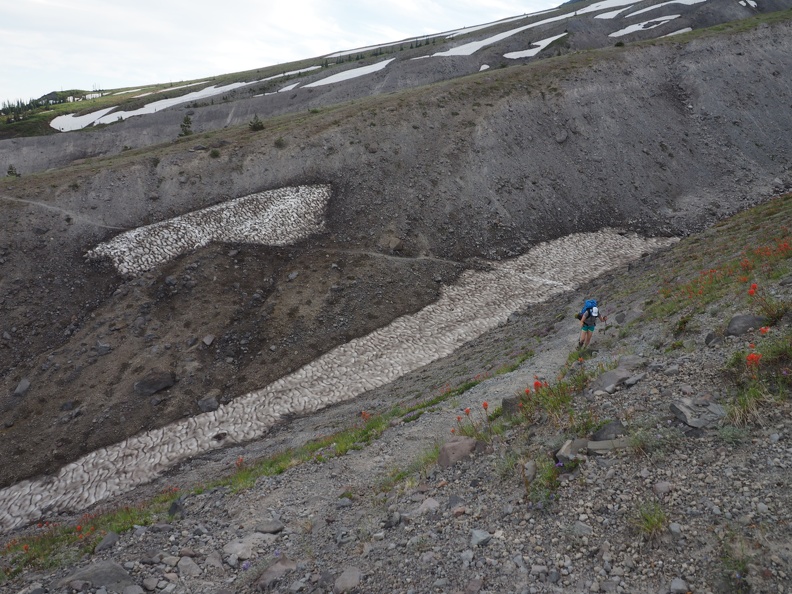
[659, 139]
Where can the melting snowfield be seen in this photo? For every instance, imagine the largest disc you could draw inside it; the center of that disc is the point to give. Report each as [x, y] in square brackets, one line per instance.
[645, 25]
[276, 217]
[476, 303]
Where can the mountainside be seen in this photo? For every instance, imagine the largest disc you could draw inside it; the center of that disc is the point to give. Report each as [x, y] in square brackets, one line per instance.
[659, 139]
[667, 472]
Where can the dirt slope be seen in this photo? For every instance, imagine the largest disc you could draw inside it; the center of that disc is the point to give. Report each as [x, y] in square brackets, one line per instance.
[660, 139]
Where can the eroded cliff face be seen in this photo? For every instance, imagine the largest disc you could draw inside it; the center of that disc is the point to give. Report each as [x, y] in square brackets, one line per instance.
[659, 139]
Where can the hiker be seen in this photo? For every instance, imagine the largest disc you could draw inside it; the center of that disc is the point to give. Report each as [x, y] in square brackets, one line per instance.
[588, 317]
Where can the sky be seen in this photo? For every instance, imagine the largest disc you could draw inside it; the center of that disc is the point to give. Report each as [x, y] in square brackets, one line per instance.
[54, 45]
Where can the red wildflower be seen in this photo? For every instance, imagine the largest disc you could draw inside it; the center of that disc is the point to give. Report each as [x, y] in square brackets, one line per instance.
[453, 430]
[459, 419]
[527, 391]
[26, 548]
[751, 292]
[78, 528]
[467, 411]
[764, 329]
[753, 359]
[754, 286]
[537, 385]
[485, 405]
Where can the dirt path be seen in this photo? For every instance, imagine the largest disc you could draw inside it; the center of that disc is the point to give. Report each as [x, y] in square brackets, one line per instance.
[73, 215]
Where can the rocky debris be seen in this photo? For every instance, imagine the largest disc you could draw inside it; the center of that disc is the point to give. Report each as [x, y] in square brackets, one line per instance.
[154, 381]
[698, 412]
[462, 527]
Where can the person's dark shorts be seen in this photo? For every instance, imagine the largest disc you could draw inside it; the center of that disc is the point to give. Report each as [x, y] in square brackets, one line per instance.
[588, 328]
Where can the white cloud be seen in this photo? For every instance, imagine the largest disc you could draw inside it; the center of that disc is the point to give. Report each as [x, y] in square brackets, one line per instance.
[58, 44]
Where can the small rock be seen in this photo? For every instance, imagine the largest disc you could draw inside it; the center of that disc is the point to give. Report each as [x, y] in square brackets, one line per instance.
[455, 450]
[479, 538]
[208, 404]
[581, 529]
[110, 539]
[188, 567]
[22, 387]
[348, 580]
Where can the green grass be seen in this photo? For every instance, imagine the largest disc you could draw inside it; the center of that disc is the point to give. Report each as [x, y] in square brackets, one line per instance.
[542, 488]
[54, 545]
[735, 559]
[420, 465]
[732, 435]
[650, 520]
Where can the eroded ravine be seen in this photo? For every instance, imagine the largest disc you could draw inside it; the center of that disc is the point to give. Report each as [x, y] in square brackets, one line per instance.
[476, 303]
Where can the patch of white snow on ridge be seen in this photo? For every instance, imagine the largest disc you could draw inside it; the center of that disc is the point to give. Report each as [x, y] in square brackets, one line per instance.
[353, 73]
[484, 67]
[540, 45]
[685, 2]
[645, 26]
[752, 3]
[468, 49]
[685, 30]
[287, 88]
[447, 34]
[70, 122]
[67, 123]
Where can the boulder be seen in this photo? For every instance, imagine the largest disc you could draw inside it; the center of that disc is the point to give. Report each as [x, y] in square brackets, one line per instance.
[610, 380]
[455, 450]
[104, 574]
[155, 381]
[610, 431]
[275, 572]
[571, 450]
[348, 580]
[741, 324]
[698, 413]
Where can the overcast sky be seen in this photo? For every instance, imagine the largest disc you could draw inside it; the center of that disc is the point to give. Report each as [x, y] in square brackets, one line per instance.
[52, 45]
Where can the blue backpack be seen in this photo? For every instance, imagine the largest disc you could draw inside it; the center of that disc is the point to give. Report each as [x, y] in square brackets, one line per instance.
[591, 307]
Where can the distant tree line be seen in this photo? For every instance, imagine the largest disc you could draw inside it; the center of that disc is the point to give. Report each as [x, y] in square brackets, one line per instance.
[14, 111]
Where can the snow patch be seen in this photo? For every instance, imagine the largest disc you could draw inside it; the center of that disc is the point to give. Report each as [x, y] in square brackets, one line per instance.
[353, 73]
[645, 26]
[539, 46]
